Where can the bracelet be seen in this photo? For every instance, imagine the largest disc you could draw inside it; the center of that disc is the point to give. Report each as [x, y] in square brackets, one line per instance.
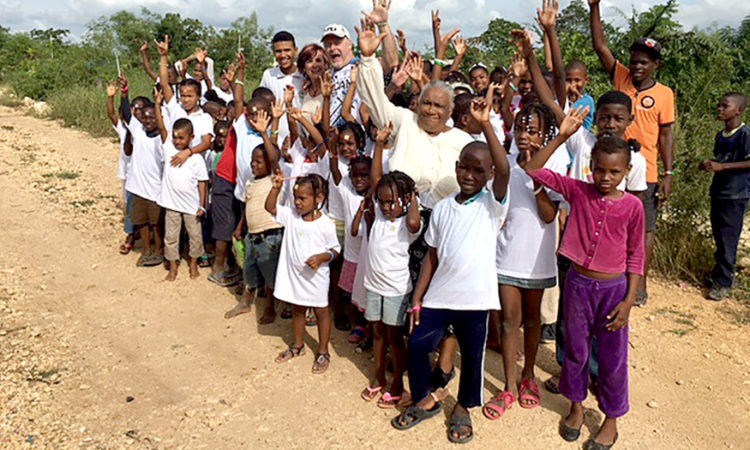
[239, 82]
[538, 190]
[513, 87]
[439, 62]
[191, 151]
[332, 254]
[274, 133]
[669, 172]
[416, 308]
[125, 89]
[200, 208]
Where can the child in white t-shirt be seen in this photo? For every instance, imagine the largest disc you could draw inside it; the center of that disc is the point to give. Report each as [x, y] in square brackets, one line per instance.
[307, 152]
[526, 262]
[350, 176]
[303, 276]
[126, 150]
[458, 284]
[183, 194]
[392, 214]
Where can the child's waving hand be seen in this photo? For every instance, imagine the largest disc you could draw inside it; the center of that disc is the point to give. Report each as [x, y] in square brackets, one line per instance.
[111, 89]
[326, 84]
[384, 133]
[573, 121]
[277, 109]
[163, 47]
[277, 179]
[260, 121]
[547, 16]
[288, 95]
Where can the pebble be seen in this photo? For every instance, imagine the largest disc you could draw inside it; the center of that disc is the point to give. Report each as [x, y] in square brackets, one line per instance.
[129, 399]
[83, 387]
[650, 318]
[706, 355]
[679, 382]
[652, 404]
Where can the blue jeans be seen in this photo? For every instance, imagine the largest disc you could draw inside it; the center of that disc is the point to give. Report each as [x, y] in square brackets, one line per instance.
[129, 228]
[261, 258]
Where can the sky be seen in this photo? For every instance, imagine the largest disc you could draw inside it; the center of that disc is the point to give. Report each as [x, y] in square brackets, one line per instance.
[306, 18]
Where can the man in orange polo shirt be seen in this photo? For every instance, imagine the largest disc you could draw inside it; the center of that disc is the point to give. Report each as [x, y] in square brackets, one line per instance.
[654, 111]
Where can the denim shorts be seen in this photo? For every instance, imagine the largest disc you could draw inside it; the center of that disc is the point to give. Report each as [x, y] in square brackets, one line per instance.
[389, 310]
[261, 258]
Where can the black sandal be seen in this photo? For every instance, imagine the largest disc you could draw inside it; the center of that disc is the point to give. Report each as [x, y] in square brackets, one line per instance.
[290, 353]
[414, 415]
[568, 433]
[591, 444]
[454, 425]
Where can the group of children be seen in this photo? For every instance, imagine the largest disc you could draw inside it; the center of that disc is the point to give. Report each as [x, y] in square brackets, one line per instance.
[319, 221]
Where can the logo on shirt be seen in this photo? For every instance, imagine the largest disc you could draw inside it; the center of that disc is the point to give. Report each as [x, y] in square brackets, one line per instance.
[647, 102]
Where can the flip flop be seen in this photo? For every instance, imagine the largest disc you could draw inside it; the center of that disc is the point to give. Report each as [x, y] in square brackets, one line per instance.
[369, 394]
[222, 280]
[357, 335]
[493, 405]
[454, 425]
[322, 361]
[388, 401]
[591, 444]
[528, 392]
[310, 319]
[553, 385]
[414, 415]
[126, 248]
[286, 313]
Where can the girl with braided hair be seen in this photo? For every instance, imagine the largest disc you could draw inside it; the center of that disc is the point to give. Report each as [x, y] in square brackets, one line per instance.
[392, 213]
[303, 275]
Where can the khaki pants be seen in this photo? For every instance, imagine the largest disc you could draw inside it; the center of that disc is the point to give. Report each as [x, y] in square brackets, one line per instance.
[551, 297]
[173, 225]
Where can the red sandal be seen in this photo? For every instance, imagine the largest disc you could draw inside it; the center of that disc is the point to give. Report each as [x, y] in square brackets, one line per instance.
[528, 392]
[493, 405]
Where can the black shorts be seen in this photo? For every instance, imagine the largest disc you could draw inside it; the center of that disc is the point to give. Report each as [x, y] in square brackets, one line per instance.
[226, 210]
[650, 205]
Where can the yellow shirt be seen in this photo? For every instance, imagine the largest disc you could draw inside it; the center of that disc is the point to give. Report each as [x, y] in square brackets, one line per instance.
[258, 219]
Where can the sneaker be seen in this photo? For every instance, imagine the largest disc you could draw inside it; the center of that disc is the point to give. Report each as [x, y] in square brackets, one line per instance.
[718, 293]
[548, 333]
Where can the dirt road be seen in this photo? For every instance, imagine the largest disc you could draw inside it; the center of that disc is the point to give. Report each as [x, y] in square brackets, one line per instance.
[96, 353]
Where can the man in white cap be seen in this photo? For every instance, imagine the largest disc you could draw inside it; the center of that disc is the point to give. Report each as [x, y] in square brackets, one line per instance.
[340, 51]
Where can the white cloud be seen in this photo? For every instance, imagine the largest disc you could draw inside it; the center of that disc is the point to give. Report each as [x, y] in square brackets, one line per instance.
[306, 18]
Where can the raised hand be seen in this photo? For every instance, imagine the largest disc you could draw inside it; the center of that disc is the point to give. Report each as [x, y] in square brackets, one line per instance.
[201, 55]
[401, 39]
[441, 40]
[288, 95]
[573, 121]
[523, 41]
[163, 47]
[260, 121]
[380, 10]
[277, 179]
[384, 133]
[459, 45]
[401, 75]
[111, 89]
[415, 67]
[518, 66]
[368, 40]
[317, 115]
[326, 84]
[547, 15]
[230, 72]
[277, 109]
[158, 97]
[123, 82]
[294, 113]
[241, 61]
[144, 47]
[480, 108]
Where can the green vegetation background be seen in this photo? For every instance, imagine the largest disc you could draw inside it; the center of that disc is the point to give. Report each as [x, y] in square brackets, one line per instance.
[699, 65]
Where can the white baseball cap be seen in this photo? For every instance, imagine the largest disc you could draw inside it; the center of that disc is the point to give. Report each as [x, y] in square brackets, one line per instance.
[336, 29]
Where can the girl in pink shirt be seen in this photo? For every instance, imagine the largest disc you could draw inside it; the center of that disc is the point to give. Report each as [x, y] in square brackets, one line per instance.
[604, 240]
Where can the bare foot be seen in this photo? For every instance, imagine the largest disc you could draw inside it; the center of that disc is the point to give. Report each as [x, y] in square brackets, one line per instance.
[269, 315]
[241, 308]
[194, 268]
[172, 275]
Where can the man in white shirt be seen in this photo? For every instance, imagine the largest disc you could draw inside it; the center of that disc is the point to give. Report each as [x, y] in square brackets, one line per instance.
[276, 79]
[425, 147]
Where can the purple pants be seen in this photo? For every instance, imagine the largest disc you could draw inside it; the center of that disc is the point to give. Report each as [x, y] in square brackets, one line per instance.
[586, 304]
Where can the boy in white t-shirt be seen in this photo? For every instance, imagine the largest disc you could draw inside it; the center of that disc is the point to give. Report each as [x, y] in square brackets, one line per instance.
[458, 283]
[188, 107]
[183, 194]
[144, 176]
[126, 149]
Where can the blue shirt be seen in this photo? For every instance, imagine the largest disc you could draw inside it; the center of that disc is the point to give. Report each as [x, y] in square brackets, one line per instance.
[586, 100]
[732, 184]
